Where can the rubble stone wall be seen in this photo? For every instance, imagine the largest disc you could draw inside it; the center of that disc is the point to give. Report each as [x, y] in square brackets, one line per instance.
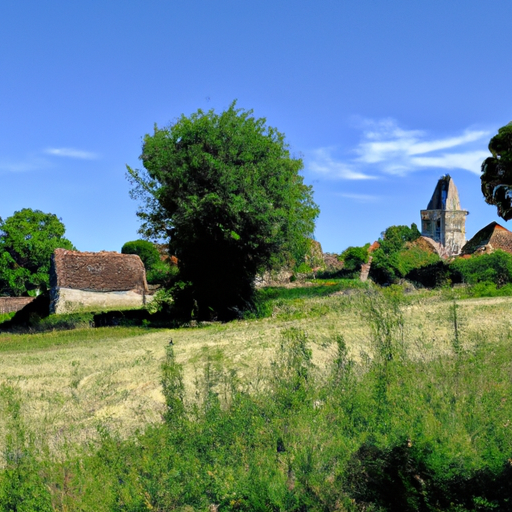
[67, 300]
[12, 304]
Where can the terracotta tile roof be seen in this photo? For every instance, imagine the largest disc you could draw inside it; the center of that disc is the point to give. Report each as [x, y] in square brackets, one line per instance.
[97, 271]
[373, 247]
[428, 244]
[494, 235]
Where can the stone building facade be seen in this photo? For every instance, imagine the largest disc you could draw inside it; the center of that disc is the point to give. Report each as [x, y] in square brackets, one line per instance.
[444, 221]
[81, 281]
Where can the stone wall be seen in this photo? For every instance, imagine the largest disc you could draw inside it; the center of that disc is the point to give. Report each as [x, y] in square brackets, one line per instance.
[68, 300]
[12, 304]
[447, 227]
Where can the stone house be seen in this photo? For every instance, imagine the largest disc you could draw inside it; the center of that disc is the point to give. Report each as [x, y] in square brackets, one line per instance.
[488, 239]
[96, 281]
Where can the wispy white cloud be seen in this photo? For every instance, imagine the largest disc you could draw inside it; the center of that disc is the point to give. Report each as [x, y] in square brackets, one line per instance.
[25, 165]
[35, 162]
[470, 161]
[322, 162]
[386, 148]
[360, 198]
[71, 153]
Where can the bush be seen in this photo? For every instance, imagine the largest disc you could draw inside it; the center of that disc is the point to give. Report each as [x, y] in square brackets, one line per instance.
[433, 275]
[146, 251]
[157, 271]
[353, 258]
[495, 267]
[163, 272]
[65, 322]
[5, 317]
[397, 255]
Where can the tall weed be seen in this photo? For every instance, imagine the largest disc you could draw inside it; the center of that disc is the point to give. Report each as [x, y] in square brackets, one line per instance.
[22, 488]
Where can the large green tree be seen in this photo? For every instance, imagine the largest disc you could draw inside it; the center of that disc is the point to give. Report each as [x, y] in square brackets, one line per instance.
[496, 175]
[225, 192]
[27, 241]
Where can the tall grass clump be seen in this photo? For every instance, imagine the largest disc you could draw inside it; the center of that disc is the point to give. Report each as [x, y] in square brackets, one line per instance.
[22, 484]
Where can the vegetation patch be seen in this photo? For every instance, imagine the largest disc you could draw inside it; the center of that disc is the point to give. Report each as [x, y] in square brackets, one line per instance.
[384, 401]
[54, 340]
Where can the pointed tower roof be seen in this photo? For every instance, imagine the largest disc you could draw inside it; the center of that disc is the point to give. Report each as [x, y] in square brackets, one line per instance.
[445, 196]
[494, 235]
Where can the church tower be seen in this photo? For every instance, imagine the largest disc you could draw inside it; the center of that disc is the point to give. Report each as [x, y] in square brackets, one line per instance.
[444, 220]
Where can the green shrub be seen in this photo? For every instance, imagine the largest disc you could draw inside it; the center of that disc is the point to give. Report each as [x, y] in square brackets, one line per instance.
[432, 275]
[162, 272]
[303, 268]
[353, 258]
[397, 257]
[65, 322]
[495, 267]
[146, 251]
[5, 317]
[157, 270]
[162, 300]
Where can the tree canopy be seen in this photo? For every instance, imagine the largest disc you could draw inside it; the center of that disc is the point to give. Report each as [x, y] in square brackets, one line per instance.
[225, 192]
[496, 175]
[27, 241]
[157, 271]
[146, 251]
[396, 256]
[495, 267]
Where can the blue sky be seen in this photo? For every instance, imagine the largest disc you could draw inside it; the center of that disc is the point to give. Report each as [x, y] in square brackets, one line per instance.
[380, 98]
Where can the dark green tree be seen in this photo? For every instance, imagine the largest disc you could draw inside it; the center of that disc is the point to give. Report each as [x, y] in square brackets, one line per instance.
[146, 251]
[496, 175]
[27, 241]
[225, 192]
[393, 259]
[395, 237]
[353, 258]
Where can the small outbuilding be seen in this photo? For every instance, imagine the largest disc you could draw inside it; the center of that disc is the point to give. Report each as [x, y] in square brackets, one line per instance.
[84, 281]
[492, 237]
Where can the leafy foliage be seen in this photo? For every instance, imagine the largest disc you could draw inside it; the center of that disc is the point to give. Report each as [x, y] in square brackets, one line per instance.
[432, 275]
[157, 271]
[493, 268]
[497, 172]
[146, 251]
[353, 258]
[225, 191]
[27, 241]
[397, 430]
[397, 256]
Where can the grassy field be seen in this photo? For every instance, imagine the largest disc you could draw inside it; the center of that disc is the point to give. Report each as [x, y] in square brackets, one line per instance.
[72, 382]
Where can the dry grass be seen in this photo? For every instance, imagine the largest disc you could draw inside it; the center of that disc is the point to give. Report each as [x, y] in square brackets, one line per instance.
[69, 388]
